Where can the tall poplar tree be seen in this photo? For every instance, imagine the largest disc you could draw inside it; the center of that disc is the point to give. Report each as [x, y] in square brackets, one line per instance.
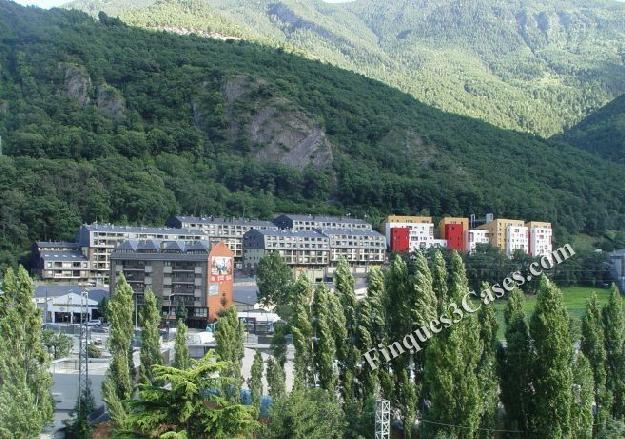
[593, 347]
[302, 330]
[614, 329]
[229, 340]
[26, 403]
[581, 402]
[324, 351]
[514, 365]
[552, 376]
[452, 358]
[150, 353]
[487, 370]
[439, 277]
[376, 294]
[181, 348]
[275, 379]
[117, 386]
[256, 379]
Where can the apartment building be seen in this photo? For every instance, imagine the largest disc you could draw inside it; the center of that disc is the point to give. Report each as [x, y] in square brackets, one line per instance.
[97, 242]
[516, 239]
[193, 274]
[540, 238]
[453, 230]
[498, 232]
[420, 232]
[361, 248]
[298, 222]
[228, 230]
[476, 237]
[59, 262]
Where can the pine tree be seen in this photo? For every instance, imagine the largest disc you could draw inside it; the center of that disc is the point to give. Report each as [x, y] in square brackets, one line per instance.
[514, 363]
[551, 375]
[275, 379]
[26, 403]
[593, 347]
[256, 379]
[614, 330]
[325, 351]
[181, 348]
[117, 386]
[487, 369]
[581, 402]
[150, 353]
[229, 347]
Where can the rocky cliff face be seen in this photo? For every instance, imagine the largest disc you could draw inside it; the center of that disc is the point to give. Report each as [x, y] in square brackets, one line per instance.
[277, 130]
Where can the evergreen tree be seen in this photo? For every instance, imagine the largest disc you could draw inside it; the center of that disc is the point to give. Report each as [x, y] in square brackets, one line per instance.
[256, 379]
[150, 353]
[324, 351]
[487, 369]
[229, 347]
[275, 379]
[614, 330]
[26, 403]
[514, 363]
[117, 386]
[181, 348]
[185, 407]
[581, 402]
[593, 347]
[551, 374]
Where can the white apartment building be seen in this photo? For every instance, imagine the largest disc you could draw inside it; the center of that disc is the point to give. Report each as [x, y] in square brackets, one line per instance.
[421, 234]
[516, 239]
[540, 236]
[361, 248]
[475, 237]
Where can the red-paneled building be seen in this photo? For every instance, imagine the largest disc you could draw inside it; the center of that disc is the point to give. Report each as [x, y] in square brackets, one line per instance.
[400, 240]
[454, 234]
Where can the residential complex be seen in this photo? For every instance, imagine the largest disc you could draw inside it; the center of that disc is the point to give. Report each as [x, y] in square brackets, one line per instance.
[228, 230]
[416, 232]
[193, 274]
[475, 238]
[302, 250]
[298, 222]
[361, 248]
[540, 236]
[59, 262]
[454, 231]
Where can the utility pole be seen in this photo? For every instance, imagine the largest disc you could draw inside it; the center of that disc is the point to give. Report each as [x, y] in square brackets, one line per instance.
[83, 343]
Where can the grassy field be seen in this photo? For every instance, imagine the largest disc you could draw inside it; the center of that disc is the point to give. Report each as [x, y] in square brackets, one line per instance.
[574, 297]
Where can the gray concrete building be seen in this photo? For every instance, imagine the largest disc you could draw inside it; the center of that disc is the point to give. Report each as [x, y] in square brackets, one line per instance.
[59, 262]
[297, 222]
[361, 248]
[228, 230]
[617, 268]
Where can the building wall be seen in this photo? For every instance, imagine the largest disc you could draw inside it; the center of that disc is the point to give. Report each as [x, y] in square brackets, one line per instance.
[399, 240]
[516, 239]
[498, 230]
[540, 238]
[475, 237]
[220, 279]
[444, 222]
[454, 235]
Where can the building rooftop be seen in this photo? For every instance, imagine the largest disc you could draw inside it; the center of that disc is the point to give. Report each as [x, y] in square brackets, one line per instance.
[324, 218]
[353, 232]
[139, 229]
[50, 291]
[222, 220]
[63, 256]
[291, 233]
[56, 244]
[159, 246]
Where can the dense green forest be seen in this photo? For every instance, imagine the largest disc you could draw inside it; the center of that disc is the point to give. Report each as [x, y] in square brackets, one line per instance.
[101, 121]
[603, 132]
[537, 66]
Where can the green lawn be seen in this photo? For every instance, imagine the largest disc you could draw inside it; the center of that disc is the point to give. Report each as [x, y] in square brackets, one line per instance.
[574, 297]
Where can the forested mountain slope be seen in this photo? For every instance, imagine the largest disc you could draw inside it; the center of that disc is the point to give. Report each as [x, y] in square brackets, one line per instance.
[603, 132]
[101, 121]
[532, 65]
